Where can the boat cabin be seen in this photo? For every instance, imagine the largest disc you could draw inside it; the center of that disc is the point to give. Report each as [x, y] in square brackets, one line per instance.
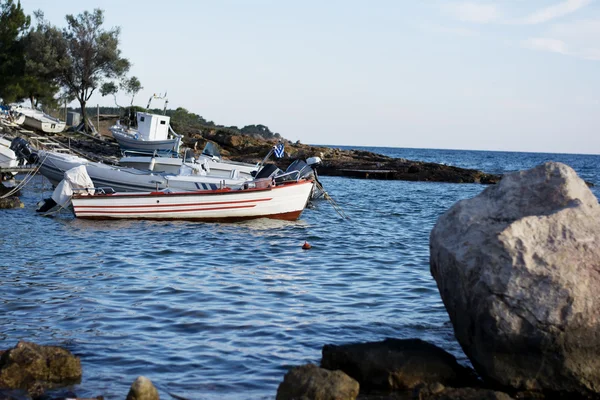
[153, 126]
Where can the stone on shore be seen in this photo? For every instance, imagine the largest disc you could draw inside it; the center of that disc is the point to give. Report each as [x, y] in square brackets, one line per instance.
[395, 364]
[11, 202]
[28, 365]
[309, 382]
[142, 389]
[518, 268]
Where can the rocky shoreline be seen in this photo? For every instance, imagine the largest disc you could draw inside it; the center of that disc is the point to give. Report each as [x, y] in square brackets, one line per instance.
[336, 162]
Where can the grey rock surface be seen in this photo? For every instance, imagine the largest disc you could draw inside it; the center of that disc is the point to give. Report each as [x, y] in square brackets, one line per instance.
[518, 269]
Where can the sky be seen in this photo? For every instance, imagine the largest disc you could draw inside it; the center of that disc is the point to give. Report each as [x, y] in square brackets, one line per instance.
[515, 75]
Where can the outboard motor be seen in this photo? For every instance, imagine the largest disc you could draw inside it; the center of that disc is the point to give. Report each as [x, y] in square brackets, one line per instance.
[314, 162]
[23, 150]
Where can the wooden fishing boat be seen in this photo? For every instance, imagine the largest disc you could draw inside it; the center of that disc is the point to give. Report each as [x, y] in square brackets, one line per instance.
[257, 199]
[151, 136]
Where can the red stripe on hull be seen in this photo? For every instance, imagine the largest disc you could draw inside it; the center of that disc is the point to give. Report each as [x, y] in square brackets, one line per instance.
[161, 211]
[180, 205]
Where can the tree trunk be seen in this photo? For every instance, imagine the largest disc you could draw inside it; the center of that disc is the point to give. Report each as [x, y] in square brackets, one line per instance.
[32, 100]
[86, 126]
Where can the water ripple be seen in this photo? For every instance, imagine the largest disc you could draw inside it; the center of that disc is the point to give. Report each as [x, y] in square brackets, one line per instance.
[220, 311]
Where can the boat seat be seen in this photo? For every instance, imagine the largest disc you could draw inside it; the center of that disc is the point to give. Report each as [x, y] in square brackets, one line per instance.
[235, 174]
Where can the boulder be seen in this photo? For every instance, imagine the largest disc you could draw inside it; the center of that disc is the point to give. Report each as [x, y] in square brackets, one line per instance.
[142, 389]
[518, 269]
[28, 365]
[395, 364]
[11, 202]
[309, 382]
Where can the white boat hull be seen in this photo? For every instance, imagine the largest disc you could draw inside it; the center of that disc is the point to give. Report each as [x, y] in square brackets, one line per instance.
[8, 158]
[128, 142]
[123, 179]
[217, 168]
[280, 202]
[44, 124]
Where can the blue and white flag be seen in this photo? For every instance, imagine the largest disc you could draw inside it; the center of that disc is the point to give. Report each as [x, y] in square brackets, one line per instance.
[278, 150]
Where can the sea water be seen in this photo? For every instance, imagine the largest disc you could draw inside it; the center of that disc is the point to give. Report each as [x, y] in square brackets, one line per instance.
[223, 310]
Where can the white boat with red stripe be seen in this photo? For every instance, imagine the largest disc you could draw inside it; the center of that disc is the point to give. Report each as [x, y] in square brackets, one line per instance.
[257, 199]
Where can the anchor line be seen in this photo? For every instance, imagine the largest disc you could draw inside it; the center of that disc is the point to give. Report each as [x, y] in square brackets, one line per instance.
[25, 180]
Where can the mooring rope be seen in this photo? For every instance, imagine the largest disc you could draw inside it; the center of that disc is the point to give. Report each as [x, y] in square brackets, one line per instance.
[338, 209]
[25, 181]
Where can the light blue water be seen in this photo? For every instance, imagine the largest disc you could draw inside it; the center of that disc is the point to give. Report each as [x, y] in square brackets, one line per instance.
[221, 311]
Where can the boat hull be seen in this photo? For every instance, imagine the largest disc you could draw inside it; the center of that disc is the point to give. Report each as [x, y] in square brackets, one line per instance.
[44, 126]
[122, 179]
[217, 168]
[281, 202]
[8, 158]
[128, 143]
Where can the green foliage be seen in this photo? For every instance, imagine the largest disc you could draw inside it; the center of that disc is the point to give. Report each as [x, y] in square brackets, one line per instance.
[261, 131]
[93, 55]
[44, 58]
[13, 26]
[131, 86]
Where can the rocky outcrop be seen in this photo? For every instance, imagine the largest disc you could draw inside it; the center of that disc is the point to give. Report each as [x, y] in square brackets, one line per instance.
[29, 365]
[142, 389]
[314, 383]
[247, 148]
[396, 364]
[10, 202]
[518, 268]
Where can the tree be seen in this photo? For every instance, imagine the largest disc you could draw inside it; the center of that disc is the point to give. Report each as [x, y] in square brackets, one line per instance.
[13, 26]
[93, 56]
[131, 86]
[45, 56]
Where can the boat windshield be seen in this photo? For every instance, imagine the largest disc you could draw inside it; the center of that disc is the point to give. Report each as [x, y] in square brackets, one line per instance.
[297, 165]
[211, 150]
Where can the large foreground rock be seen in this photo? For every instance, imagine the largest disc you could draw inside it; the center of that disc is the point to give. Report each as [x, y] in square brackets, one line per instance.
[309, 382]
[518, 268]
[29, 364]
[396, 364]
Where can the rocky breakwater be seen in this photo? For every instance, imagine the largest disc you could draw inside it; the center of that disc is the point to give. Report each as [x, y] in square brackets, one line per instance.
[337, 162]
[518, 269]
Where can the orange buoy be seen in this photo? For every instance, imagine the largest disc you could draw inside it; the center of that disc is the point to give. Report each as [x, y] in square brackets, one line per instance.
[306, 246]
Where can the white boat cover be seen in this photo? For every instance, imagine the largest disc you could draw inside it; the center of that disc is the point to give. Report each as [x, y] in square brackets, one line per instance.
[75, 178]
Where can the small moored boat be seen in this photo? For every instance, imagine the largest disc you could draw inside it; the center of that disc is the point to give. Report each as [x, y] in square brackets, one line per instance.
[264, 200]
[154, 134]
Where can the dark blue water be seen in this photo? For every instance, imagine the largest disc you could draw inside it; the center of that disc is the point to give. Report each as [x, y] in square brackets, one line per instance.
[221, 311]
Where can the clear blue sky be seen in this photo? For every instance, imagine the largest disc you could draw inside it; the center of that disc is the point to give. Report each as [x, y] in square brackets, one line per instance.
[518, 75]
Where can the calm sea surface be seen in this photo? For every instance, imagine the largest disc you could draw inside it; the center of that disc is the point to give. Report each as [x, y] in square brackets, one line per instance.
[221, 311]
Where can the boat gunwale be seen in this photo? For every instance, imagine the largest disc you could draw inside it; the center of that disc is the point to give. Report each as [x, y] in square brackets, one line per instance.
[216, 192]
